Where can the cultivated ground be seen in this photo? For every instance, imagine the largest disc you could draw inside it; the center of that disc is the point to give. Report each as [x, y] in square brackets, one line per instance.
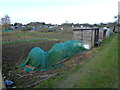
[15, 52]
[97, 68]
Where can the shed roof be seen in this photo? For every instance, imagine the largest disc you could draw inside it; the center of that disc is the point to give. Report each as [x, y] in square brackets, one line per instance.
[78, 29]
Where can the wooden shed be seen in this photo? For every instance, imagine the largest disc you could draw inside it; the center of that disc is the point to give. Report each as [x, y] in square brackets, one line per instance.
[88, 36]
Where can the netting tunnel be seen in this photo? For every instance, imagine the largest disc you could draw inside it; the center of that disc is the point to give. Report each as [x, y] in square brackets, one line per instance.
[39, 60]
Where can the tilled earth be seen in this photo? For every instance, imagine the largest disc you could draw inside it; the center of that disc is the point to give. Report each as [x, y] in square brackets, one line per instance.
[15, 54]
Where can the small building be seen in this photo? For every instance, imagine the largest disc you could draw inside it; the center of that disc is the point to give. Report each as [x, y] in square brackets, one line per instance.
[87, 35]
[103, 33]
[66, 26]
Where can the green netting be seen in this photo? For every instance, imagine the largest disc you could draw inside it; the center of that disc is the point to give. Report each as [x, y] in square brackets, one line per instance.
[42, 60]
[7, 30]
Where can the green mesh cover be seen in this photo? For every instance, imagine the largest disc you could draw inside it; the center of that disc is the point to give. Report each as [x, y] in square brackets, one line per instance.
[42, 60]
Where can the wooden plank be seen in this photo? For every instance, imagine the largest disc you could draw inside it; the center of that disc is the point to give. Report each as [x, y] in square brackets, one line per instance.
[33, 68]
[39, 81]
[61, 61]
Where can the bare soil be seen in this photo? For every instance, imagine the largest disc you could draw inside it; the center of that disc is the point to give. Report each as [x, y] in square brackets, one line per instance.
[15, 54]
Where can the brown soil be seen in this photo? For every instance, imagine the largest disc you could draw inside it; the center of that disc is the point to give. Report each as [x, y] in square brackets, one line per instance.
[15, 54]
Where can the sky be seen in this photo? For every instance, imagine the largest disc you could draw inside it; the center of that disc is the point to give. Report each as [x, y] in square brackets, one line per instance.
[59, 11]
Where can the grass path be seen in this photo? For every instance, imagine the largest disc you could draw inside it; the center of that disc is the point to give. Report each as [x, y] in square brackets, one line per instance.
[100, 71]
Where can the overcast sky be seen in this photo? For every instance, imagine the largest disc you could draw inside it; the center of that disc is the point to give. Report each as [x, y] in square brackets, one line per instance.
[59, 11]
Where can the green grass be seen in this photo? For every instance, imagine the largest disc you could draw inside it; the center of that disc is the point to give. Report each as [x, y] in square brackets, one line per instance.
[29, 40]
[25, 37]
[37, 34]
[100, 71]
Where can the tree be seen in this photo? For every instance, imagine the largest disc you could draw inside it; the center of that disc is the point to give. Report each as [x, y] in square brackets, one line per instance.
[5, 21]
[117, 20]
